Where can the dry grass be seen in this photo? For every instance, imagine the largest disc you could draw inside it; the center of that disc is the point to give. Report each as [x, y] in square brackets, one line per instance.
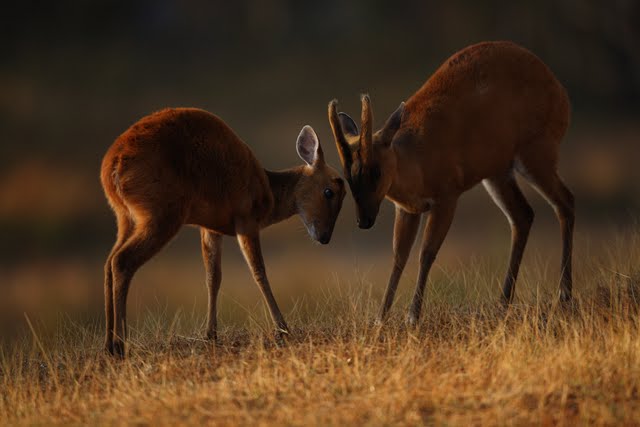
[470, 363]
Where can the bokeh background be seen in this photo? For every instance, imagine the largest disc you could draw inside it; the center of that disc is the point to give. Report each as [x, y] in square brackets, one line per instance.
[74, 75]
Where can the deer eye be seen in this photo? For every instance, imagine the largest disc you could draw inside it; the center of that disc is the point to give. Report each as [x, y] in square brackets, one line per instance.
[328, 193]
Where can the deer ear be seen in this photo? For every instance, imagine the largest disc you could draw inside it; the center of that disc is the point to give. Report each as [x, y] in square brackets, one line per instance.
[349, 127]
[392, 125]
[308, 147]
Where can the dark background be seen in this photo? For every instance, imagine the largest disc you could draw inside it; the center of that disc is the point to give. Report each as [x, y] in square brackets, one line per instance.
[74, 75]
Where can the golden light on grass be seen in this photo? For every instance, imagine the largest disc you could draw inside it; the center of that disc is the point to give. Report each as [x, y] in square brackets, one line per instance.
[469, 363]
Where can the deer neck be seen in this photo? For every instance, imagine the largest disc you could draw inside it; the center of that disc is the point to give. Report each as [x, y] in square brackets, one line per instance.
[407, 188]
[397, 170]
[283, 188]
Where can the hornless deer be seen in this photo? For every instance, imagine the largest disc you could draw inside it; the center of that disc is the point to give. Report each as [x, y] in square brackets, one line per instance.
[491, 109]
[186, 166]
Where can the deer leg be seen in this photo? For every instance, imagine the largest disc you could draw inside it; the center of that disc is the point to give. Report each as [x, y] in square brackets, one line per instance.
[125, 227]
[404, 234]
[437, 225]
[211, 254]
[506, 194]
[550, 186]
[250, 245]
[147, 239]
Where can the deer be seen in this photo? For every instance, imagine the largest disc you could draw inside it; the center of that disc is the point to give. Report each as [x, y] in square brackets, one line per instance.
[185, 166]
[489, 112]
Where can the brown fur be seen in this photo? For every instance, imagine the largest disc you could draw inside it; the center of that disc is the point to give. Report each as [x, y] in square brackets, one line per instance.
[490, 109]
[186, 166]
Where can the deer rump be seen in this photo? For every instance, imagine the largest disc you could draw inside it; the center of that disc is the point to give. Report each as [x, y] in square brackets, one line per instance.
[184, 160]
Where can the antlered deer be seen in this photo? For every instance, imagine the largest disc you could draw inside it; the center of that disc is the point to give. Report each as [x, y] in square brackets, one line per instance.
[186, 166]
[491, 109]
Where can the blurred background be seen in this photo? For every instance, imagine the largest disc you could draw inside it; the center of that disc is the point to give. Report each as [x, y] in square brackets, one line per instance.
[74, 75]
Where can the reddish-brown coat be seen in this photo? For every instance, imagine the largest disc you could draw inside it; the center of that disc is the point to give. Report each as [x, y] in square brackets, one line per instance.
[186, 166]
[485, 106]
[190, 162]
[491, 109]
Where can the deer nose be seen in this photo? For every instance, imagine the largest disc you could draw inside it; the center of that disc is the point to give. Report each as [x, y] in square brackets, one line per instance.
[325, 238]
[365, 222]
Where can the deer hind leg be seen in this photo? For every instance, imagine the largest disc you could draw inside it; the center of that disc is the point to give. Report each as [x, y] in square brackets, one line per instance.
[125, 230]
[147, 239]
[544, 177]
[212, 253]
[404, 234]
[506, 194]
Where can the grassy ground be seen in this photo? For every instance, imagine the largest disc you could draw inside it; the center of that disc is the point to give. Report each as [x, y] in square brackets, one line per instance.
[469, 362]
